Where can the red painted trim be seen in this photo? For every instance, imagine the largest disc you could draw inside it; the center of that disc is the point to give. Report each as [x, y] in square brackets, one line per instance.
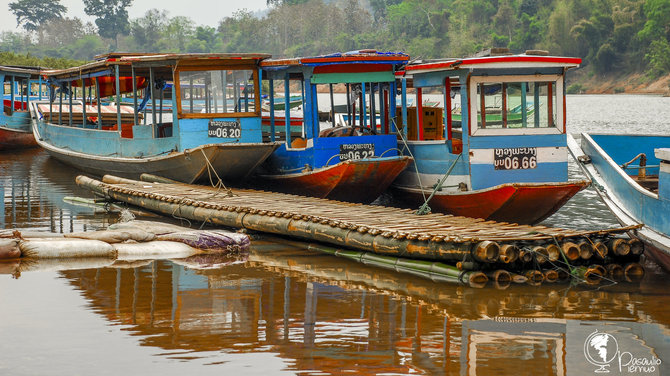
[550, 104]
[495, 59]
[353, 58]
[353, 68]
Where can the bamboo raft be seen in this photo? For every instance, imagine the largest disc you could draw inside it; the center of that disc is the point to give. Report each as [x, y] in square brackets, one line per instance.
[529, 252]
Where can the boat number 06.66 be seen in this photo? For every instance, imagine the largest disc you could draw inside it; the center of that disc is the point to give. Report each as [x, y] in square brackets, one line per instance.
[224, 129]
[356, 151]
[515, 158]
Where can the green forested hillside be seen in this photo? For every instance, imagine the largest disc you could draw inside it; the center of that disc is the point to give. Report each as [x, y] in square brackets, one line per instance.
[612, 36]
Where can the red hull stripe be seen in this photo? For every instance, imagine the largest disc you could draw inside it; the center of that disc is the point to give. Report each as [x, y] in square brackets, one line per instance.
[495, 59]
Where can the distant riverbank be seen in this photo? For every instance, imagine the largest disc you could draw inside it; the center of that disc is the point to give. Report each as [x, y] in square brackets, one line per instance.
[633, 83]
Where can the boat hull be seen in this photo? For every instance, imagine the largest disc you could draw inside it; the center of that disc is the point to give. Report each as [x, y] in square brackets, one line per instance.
[11, 139]
[523, 203]
[360, 180]
[630, 203]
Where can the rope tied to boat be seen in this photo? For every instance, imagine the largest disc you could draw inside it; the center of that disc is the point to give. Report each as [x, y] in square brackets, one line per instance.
[219, 184]
[425, 209]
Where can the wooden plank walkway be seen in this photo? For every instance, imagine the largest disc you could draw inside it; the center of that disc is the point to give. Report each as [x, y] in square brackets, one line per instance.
[386, 225]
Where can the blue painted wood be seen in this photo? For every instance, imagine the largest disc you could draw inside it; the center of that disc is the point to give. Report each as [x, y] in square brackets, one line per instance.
[518, 141]
[272, 109]
[623, 148]
[325, 152]
[647, 209]
[404, 106]
[193, 132]
[436, 159]
[287, 109]
[664, 184]
[392, 106]
[485, 175]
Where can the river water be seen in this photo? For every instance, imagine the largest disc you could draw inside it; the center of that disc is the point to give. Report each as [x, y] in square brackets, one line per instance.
[285, 310]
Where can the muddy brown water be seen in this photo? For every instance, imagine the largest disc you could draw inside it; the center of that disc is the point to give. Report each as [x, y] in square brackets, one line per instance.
[281, 309]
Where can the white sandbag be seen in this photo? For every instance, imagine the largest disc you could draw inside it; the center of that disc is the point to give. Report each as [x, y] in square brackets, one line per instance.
[213, 240]
[114, 236]
[65, 248]
[154, 250]
[9, 249]
[148, 226]
[53, 264]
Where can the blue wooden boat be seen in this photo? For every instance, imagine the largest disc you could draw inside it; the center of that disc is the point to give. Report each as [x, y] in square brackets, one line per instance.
[496, 163]
[353, 163]
[206, 136]
[20, 85]
[631, 173]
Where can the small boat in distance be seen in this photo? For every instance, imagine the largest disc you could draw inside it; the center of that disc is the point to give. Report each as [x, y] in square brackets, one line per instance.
[356, 162]
[212, 132]
[20, 85]
[631, 174]
[507, 158]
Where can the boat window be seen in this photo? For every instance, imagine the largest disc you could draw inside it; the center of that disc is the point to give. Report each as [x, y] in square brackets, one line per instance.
[532, 104]
[217, 91]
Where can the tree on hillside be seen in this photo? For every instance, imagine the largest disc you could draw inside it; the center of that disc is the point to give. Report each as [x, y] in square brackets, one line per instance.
[33, 13]
[656, 33]
[112, 16]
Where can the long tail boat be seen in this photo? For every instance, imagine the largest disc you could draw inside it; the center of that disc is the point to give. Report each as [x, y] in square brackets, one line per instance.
[632, 176]
[507, 159]
[20, 85]
[353, 163]
[213, 130]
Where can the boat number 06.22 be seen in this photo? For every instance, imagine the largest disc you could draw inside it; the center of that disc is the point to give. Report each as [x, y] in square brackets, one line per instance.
[356, 151]
[224, 129]
[515, 158]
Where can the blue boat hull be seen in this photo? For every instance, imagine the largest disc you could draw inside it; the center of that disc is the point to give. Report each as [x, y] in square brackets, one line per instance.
[624, 195]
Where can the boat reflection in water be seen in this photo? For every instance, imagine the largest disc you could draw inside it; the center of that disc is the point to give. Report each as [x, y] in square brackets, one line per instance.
[324, 315]
[33, 187]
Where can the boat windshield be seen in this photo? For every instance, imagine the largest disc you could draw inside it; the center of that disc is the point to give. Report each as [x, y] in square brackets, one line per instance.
[527, 104]
[217, 91]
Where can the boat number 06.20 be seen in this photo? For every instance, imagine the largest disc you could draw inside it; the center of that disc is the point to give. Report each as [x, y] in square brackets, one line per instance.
[515, 158]
[356, 151]
[224, 129]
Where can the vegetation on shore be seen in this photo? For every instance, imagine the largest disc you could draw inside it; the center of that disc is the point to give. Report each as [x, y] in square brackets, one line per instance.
[615, 38]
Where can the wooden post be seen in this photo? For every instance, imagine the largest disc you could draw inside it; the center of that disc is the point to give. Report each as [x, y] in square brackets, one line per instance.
[152, 86]
[536, 104]
[69, 85]
[550, 105]
[118, 98]
[447, 108]
[60, 105]
[373, 108]
[271, 93]
[135, 115]
[287, 110]
[524, 105]
[350, 113]
[97, 95]
[332, 106]
[419, 111]
[504, 105]
[403, 99]
[83, 106]
[392, 106]
[482, 105]
[384, 97]
[190, 93]
[364, 119]
[11, 94]
[308, 108]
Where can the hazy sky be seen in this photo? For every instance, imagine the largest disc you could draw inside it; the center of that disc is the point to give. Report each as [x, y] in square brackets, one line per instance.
[202, 12]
